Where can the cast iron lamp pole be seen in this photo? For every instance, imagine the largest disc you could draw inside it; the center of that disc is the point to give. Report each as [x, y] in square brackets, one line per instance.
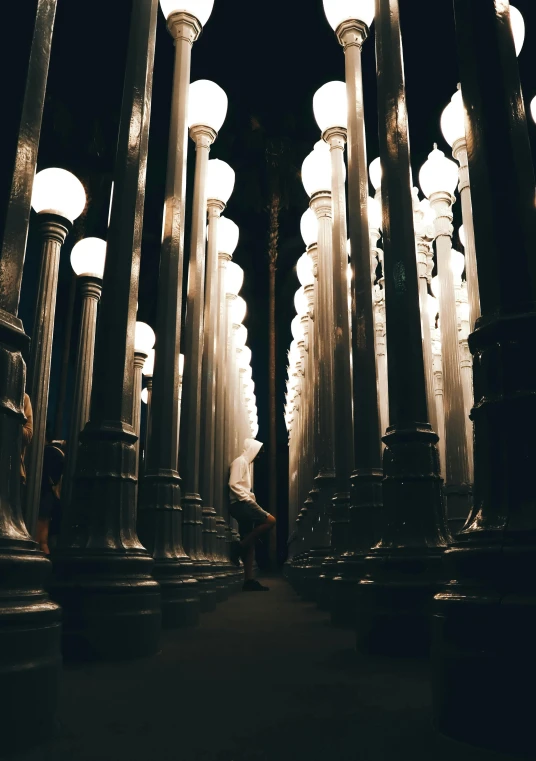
[227, 241]
[59, 198]
[29, 668]
[144, 340]
[111, 603]
[437, 366]
[403, 569]
[351, 25]
[376, 257]
[220, 184]
[438, 178]
[147, 370]
[482, 683]
[87, 260]
[160, 511]
[206, 114]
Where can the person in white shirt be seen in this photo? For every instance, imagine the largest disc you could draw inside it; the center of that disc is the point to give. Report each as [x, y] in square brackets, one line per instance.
[252, 519]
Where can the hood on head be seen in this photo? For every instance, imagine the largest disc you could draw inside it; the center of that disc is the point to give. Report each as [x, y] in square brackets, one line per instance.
[252, 447]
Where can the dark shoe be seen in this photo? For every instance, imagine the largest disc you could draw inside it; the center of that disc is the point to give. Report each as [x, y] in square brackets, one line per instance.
[252, 585]
[236, 553]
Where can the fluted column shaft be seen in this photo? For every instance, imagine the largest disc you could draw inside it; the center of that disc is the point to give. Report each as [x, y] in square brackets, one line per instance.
[160, 511]
[457, 484]
[148, 419]
[220, 468]
[139, 361]
[54, 230]
[381, 351]
[459, 151]
[91, 289]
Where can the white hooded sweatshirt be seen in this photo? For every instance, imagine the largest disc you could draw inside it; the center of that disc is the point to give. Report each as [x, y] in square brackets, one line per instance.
[240, 478]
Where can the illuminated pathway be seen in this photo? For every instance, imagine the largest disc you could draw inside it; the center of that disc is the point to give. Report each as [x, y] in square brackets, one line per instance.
[264, 678]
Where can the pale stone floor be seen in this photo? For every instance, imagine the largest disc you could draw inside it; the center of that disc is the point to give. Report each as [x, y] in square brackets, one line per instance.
[263, 678]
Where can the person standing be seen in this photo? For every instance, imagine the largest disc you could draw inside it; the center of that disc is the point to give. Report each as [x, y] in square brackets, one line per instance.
[252, 520]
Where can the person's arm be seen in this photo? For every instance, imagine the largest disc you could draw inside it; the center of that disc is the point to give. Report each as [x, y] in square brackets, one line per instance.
[240, 492]
[27, 428]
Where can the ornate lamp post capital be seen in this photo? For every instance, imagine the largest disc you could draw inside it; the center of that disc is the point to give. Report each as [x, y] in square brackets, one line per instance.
[184, 26]
[321, 204]
[335, 137]
[202, 135]
[352, 33]
[215, 208]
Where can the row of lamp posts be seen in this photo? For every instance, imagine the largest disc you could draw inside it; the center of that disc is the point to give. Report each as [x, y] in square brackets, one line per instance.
[432, 543]
[126, 563]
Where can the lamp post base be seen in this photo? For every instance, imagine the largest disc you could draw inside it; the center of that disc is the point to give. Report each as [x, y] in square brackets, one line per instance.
[459, 501]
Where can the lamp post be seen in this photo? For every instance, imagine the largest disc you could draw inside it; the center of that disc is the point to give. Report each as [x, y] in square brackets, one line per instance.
[206, 114]
[437, 367]
[144, 340]
[59, 198]
[481, 683]
[376, 257]
[148, 369]
[351, 23]
[403, 569]
[28, 667]
[103, 580]
[87, 260]
[160, 511]
[438, 178]
[228, 234]
[331, 113]
[220, 184]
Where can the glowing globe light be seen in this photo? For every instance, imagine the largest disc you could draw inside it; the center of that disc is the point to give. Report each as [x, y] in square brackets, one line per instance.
[518, 28]
[201, 9]
[316, 170]
[533, 108]
[374, 214]
[181, 365]
[457, 265]
[375, 173]
[220, 182]
[461, 236]
[145, 395]
[245, 358]
[238, 311]
[300, 302]
[56, 191]
[305, 270]
[241, 337]
[438, 174]
[148, 365]
[234, 278]
[88, 257]
[338, 11]
[144, 338]
[228, 234]
[309, 227]
[207, 104]
[330, 106]
[297, 329]
[453, 119]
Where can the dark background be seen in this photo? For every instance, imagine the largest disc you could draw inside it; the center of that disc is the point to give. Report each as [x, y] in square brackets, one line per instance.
[270, 58]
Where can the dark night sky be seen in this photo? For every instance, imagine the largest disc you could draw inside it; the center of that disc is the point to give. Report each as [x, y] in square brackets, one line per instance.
[270, 58]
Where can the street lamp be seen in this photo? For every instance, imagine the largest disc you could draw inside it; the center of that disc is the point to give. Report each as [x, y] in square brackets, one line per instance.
[438, 178]
[453, 128]
[331, 112]
[533, 108]
[518, 28]
[351, 20]
[87, 260]
[375, 176]
[59, 198]
[220, 185]
[206, 114]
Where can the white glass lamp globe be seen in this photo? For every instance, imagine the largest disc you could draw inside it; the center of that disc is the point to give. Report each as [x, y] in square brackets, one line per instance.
[56, 191]
[518, 28]
[375, 173]
[457, 265]
[207, 104]
[247, 371]
[309, 227]
[245, 358]
[234, 278]
[238, 311]
[293, 355]
[300, 302]
[533, 108]
[228, 234]
[88, 257]
[435, 286]
[305, 270]
[255, 431]
[433, 309]
[374, 214]
[438, 174]
[241, 337]
[145, 395]
[338, 11]
[427, 212]
[148, 367]
[201, 9]
[453, 119]
[144, 338]
[330, 106]
[461, 235]
[220, 181]
[316, 169]
[181, 365]
[297, 329]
